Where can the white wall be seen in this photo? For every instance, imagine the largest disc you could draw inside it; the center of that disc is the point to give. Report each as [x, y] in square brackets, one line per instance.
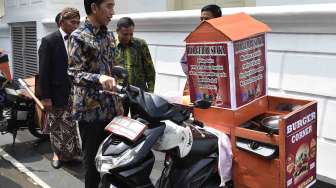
[44, 11]
[5, 42]
[2, 8]
[5, 38]
[33, 10]
[134, 6]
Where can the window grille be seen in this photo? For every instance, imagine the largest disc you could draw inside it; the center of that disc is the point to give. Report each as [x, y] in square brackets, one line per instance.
[24, 44]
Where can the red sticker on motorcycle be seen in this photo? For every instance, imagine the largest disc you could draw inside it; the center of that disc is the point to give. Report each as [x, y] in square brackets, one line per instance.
[126, 127]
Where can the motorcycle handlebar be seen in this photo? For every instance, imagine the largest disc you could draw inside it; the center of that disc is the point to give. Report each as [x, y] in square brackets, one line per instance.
[121, 91]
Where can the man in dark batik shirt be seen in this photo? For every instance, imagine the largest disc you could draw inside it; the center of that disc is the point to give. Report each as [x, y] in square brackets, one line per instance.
[91, 56]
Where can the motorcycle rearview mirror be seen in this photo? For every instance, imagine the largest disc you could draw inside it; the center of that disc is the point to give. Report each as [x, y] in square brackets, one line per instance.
[119, 72]
[202, 104]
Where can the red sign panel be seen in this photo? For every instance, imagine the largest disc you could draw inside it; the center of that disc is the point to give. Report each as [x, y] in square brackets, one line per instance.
[301, 140]
[250, 69]
[208, 73]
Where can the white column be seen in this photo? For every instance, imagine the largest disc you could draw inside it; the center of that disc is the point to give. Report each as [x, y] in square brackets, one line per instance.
[290, 2]
[2, 8]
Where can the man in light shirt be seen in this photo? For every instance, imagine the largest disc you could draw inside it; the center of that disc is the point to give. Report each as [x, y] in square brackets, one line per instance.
[207, 12]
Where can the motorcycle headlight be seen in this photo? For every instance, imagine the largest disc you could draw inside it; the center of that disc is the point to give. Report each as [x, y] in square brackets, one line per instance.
[106, 163]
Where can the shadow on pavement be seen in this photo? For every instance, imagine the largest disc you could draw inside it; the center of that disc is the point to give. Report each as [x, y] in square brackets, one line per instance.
[8, 183]
[22, 152]
[321, 184]
[12, 178]
[74, 167]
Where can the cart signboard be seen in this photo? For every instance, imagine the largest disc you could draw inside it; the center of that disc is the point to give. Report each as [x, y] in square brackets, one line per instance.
[250, 69]
[300, 147]
[209, 72]
[226, 60]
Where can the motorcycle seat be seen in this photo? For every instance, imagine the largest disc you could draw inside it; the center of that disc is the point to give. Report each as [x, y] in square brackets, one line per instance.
[155, 108]
[204, 146]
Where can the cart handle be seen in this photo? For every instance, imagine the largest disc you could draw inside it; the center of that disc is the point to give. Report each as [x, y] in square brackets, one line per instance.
[31, 93]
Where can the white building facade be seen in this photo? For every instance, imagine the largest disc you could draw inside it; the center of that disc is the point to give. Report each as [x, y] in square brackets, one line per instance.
[301, 52]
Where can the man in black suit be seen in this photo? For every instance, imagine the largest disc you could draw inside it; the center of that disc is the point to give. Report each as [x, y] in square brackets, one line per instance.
[53, 81]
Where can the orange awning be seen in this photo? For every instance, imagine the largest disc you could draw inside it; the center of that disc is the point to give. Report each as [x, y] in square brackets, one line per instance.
[232, 27]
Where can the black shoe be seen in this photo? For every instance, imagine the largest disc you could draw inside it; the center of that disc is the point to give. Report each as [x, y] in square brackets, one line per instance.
[56, 164]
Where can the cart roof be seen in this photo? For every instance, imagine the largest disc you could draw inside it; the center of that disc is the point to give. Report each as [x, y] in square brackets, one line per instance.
[232, 27]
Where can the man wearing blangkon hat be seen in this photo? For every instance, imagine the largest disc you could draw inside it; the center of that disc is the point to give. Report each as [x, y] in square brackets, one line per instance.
[55, 87]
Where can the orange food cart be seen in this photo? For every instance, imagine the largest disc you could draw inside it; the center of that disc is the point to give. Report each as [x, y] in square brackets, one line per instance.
[227, 63]
[227, 60]
[290, 158]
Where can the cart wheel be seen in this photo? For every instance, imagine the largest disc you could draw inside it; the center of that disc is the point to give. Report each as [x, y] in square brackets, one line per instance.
[37, 132]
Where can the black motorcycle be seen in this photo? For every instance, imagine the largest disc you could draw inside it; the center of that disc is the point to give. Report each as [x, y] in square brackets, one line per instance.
[17, 111]
[125, 159]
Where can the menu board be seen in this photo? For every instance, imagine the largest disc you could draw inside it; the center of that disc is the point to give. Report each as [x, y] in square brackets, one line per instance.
[250, 69]
[208, 73]
[301, 141]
